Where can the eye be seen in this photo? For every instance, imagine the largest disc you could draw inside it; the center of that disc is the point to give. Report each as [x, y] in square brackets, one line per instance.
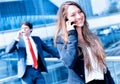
[73, 15]
[79, 11]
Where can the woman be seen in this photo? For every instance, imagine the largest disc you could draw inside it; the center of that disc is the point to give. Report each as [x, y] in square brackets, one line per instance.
[80, 50]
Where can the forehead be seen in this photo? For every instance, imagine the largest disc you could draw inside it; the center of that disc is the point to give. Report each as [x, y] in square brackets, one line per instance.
[24, 26]
[72, 9]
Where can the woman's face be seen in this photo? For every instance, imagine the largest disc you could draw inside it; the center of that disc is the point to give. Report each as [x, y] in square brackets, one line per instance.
[75, 15]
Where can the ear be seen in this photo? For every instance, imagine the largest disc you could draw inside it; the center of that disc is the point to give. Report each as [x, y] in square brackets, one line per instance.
[31, 30]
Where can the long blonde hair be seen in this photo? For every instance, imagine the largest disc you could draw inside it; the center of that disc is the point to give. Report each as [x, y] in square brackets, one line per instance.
[91, 39]
[62, 17]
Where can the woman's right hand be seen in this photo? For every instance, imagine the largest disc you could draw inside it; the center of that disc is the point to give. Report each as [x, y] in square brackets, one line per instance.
[70, 25]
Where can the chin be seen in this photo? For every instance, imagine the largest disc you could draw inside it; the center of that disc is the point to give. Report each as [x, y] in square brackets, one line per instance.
[80, 26]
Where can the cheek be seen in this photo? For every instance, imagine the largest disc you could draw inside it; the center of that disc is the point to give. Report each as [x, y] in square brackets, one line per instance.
[71, 19]
[83, 16]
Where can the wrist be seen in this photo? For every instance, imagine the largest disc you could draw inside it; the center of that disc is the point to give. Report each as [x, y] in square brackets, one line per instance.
[17, 39]
[72, 28]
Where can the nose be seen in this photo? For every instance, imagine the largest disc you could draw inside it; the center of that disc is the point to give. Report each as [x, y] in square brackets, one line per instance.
[22, 29]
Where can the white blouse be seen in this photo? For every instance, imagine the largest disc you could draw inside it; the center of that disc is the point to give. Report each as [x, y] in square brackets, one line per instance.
[96, 73]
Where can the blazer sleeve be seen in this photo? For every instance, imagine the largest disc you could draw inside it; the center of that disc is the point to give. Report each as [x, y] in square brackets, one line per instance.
[68, 51]
[108, 77]
[49, 49]
[11, 47]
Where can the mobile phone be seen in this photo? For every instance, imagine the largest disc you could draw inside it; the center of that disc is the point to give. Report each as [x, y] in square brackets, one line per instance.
[66, 19]
[71, 22]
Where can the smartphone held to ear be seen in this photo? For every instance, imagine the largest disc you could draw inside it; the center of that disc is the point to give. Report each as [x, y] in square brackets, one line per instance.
[72, 25]
[71, 22]
[66, 19]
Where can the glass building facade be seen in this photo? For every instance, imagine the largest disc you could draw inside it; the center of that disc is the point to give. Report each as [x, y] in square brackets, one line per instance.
[38, 12]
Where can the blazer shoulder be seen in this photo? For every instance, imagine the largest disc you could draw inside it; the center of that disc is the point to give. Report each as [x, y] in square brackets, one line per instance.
[35, 37]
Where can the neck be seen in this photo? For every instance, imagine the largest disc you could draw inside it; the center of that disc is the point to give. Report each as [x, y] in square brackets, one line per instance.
[80, 35]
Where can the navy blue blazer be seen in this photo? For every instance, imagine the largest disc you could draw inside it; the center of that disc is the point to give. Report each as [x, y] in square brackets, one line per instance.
[21, 49]
[74, 63]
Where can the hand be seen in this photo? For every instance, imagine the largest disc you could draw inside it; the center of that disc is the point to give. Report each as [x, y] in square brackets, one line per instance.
[70, 25]
[19, 34]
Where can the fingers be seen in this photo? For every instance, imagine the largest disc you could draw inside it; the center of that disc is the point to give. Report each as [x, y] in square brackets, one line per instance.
[19, 34]
[70, 25]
